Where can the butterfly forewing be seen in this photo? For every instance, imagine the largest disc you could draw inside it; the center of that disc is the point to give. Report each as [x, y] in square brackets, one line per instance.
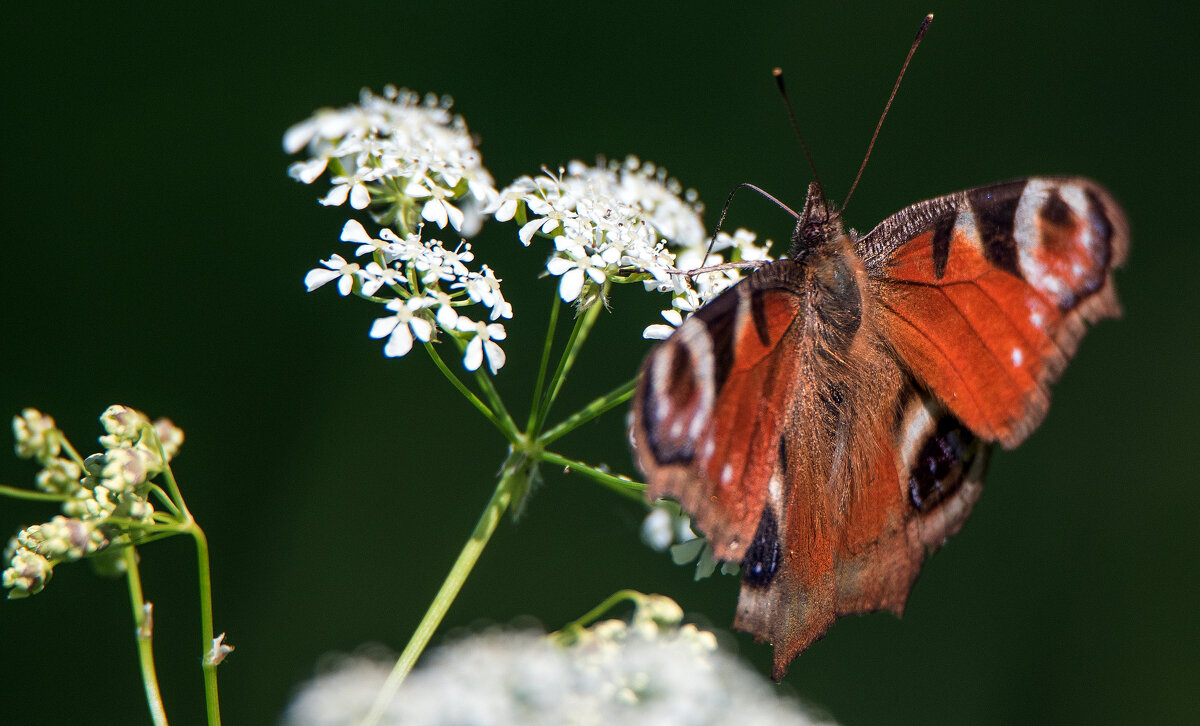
[986, 292]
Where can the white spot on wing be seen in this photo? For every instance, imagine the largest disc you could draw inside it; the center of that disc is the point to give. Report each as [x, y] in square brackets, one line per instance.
[775, 491]
[1017, 357]
[726, 473]
[1028, 235]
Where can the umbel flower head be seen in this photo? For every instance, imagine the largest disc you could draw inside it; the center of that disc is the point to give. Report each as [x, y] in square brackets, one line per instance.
[411, 162]
[406, 156]
[650, 671]
[624, 222]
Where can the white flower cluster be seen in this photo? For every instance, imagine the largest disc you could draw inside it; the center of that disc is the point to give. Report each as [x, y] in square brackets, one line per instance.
[624, 222]
[107, 488]
[415, 161]
[399, 151]
[620, 673]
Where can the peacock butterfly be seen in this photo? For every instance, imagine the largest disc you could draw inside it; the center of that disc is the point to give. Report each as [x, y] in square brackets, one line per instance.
[827, 421]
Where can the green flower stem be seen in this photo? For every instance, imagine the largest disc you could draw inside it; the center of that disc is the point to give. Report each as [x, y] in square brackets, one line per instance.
[569, 630]
[583, 326]
[605, 403]
[166, 500]
[619, 484]
[493, 396]
[19, 493]
[144, 633]
[466, 392]
[71, 450]
[501, 498]
[211, 702]
[545, 364]
[203, 571]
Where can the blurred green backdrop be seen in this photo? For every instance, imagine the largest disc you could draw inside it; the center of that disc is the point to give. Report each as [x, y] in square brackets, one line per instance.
[154, 251]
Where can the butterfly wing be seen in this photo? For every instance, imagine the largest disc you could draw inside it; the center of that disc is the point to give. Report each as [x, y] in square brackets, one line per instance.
[707, 415]
[987, 292]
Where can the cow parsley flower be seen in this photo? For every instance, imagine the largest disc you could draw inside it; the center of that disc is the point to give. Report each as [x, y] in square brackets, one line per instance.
[406, 157]
[624, 222]
[652, 672]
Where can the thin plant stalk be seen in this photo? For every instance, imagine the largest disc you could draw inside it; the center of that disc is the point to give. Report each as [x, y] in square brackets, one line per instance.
[501, 498]
[144, 634]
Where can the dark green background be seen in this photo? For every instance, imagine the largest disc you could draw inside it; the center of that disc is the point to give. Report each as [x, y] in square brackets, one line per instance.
[154, 250]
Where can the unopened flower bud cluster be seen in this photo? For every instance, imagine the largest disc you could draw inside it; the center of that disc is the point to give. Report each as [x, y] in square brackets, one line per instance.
[107, 491]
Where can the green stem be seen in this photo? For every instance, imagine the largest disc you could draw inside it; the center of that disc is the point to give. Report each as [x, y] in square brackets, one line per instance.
[204, 575]
[19, 493]
[583, 326]
[605, 403]
[489, 390]
[142, 617]
[570, 629]
[621, 485]
[466, 392]
[71, 450]
[545, 363]
[211, 702]
[501, 498]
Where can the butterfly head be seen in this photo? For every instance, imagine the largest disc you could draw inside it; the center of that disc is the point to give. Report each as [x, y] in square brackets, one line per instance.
[818, 225]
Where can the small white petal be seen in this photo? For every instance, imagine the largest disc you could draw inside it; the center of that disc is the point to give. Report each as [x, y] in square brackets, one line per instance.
[360, 198]
[495, 356]
[336, 196]
[528, 230]
[345, 285]
[507, 210]
[456, 215]
[474, 354]
[308, 171]
[571, 285]
[399, 343]
[383, 327]
[658, 332]
[559, 265]
[353, 231]
[447, 317]
[421, 328]
[318, 277]
[495, 331]
[433, 211]
[596, 273]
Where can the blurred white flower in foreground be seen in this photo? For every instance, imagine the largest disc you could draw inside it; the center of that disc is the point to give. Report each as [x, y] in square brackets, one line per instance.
[617, 674]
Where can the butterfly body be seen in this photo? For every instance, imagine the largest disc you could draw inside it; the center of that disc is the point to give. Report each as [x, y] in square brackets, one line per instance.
[828, 420]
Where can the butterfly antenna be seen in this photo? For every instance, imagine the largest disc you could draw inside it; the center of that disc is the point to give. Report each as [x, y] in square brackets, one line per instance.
[778, 74]
[725, 210]
[916, 41]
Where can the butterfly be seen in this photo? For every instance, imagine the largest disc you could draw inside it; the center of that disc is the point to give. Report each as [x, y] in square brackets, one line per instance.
[827, 421]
